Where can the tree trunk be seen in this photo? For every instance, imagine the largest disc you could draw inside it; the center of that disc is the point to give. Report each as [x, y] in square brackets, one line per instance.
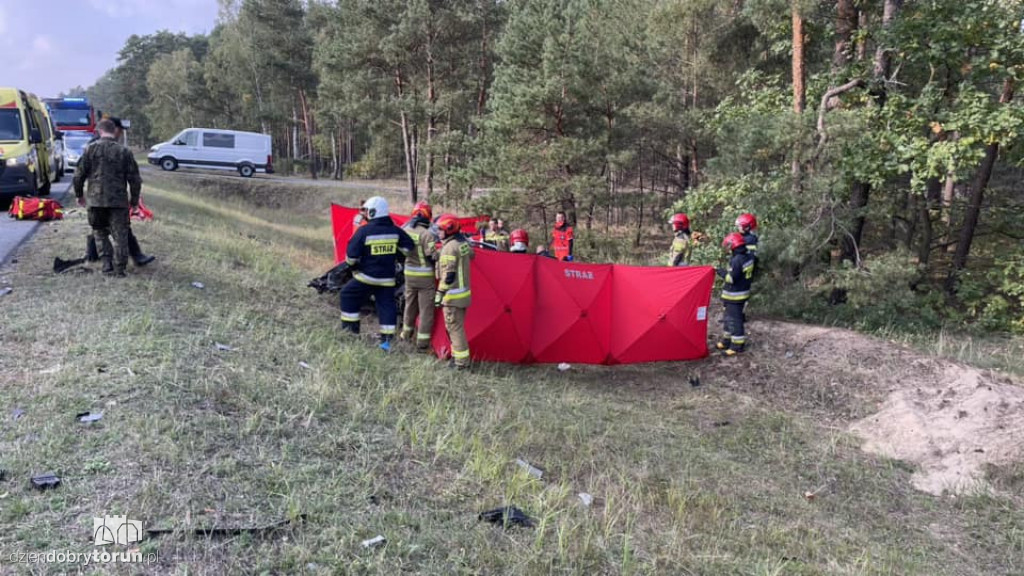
[295, 134]
[862, 45]
[924, 247]
[973, 211]
[640, 212]
[861, 191]
[799, 89]
[408, 141]
[846, 23]
[307, 123]
[431, 114]
[948, 194]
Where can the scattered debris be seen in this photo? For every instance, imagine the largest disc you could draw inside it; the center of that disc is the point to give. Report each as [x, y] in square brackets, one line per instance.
[810, 495]
[230, 531]
[223, 347]
[789, 354]
[530, 469]
[50, 370]
[5, 291]
[4, 495]
[721, 423]
[17, 413]
[60, 265]
[3, 474]
[88, 416]
[564, 366]
[695, 381]
[375, 542]
[198, 285]
[304, 365]
[507, 517]
[44, 481]
[101, 369]
[587, 499]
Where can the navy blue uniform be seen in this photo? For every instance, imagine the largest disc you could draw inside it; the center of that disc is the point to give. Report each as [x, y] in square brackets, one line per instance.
[735, 293]
[373, 252]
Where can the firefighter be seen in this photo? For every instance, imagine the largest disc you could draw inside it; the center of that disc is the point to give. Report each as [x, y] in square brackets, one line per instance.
[735, 293]
[453, 289]
[372, 253]
[520, 241]
[746, 223]
[419, 277]
[562, 238]
[682, 242]
[495, 235]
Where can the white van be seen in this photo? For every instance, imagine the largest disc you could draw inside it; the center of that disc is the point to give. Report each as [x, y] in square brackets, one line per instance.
[247, 152]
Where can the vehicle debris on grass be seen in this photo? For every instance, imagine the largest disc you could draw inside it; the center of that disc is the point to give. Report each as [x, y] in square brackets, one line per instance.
[506, 517]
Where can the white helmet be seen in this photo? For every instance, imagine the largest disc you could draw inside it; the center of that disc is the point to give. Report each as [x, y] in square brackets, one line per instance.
[376, 207]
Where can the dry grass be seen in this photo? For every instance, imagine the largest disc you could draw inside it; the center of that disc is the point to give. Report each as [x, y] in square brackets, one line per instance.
[690, 480]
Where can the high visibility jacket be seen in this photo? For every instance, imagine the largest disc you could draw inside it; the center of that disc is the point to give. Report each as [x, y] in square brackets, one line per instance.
[739, 277]
[682, 249]
[453, 270]
[499, 239]
[562, 241]
[750, 239]
[419, 264]
[373, 251]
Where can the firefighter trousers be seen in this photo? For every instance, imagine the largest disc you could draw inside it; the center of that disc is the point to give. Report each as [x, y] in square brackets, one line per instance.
[455, 323]
[734, 334]
[355, 293]
[419, 301]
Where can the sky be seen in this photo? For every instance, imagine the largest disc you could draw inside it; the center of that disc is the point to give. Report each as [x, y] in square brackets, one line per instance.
[49, 46]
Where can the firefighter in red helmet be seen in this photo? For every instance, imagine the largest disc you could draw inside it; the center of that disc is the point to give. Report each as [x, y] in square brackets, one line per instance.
[419, 278]
[682, 241]
[738, 279]
[746, 223]
[453, 292]
[520, 241]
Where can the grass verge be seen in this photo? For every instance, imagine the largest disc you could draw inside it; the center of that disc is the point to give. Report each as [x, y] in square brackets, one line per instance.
[689, 480]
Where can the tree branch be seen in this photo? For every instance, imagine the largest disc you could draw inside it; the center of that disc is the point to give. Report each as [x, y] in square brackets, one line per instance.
[823, 108]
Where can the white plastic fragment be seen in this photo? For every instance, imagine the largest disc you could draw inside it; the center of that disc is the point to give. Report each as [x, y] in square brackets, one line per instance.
[198, 285]
[375, 542]
[587, 499]
[564, 366]
[530, 469]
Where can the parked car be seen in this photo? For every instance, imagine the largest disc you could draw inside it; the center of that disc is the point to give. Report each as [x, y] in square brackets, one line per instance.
[246, 152]
[74, 145]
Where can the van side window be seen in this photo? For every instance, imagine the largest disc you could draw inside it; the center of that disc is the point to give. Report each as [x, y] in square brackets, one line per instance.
[191, 138]
[215, 140]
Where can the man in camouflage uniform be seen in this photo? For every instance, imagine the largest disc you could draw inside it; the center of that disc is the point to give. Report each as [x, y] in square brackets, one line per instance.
[495, 235]
[110, 169]
[453, 289]
[419, 277]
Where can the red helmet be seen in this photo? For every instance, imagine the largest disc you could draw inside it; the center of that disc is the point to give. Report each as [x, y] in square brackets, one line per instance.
[680, 222]
[519, 235]
[449, 224]
[733, 240]
[746, 221]
[421, 209]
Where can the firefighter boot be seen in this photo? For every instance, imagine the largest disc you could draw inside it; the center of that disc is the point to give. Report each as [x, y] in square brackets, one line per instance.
[735, 349]
[724, 343]
[135, 251]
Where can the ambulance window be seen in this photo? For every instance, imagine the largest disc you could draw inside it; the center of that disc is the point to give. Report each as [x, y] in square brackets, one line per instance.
[10, 124]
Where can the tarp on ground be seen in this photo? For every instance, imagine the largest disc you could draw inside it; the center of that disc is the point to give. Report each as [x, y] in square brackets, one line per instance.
[528, 309]
[341, 223]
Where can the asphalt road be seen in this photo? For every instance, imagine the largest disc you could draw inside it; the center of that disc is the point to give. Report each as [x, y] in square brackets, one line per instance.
[14, 232]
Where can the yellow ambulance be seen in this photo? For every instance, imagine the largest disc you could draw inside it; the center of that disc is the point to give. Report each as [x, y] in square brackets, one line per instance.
[28, 165]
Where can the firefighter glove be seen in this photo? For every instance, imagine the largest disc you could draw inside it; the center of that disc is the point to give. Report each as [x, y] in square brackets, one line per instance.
[438, 296]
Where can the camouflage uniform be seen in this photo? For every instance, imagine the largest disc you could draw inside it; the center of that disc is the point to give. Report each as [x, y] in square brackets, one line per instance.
[454, 294]
[109, 169]
[419, 283]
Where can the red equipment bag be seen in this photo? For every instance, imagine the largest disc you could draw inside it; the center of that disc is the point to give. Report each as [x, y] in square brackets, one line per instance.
[41, 209]
[140, 212]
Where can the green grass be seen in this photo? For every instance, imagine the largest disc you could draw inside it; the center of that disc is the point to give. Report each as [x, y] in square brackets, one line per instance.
[361, 444]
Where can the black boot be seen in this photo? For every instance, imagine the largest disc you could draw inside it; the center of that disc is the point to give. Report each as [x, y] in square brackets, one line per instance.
[135, 251]
[91, 253]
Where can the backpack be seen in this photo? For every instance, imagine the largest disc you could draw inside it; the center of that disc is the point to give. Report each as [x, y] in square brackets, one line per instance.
[43, 209]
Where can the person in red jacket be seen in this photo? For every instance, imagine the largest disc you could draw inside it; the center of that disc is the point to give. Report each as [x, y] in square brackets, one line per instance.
[562, 238]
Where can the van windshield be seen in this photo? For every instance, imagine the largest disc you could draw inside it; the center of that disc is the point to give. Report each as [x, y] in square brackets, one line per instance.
[10, 124]
[65, 117]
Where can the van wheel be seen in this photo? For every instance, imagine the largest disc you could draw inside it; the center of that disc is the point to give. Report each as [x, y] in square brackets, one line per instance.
[60, 172]
[169, 164]
[246, 170]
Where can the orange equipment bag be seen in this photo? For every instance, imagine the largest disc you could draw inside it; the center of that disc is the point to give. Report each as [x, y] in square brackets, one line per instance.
[27, 208]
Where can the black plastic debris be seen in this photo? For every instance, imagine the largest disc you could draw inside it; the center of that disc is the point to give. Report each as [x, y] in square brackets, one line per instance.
[88, 416]
[60, 265]
[231, 531]
[507, 517]
[721, 423]
[695, 381]
[44, 481]
[3, 474]
[17, 413]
